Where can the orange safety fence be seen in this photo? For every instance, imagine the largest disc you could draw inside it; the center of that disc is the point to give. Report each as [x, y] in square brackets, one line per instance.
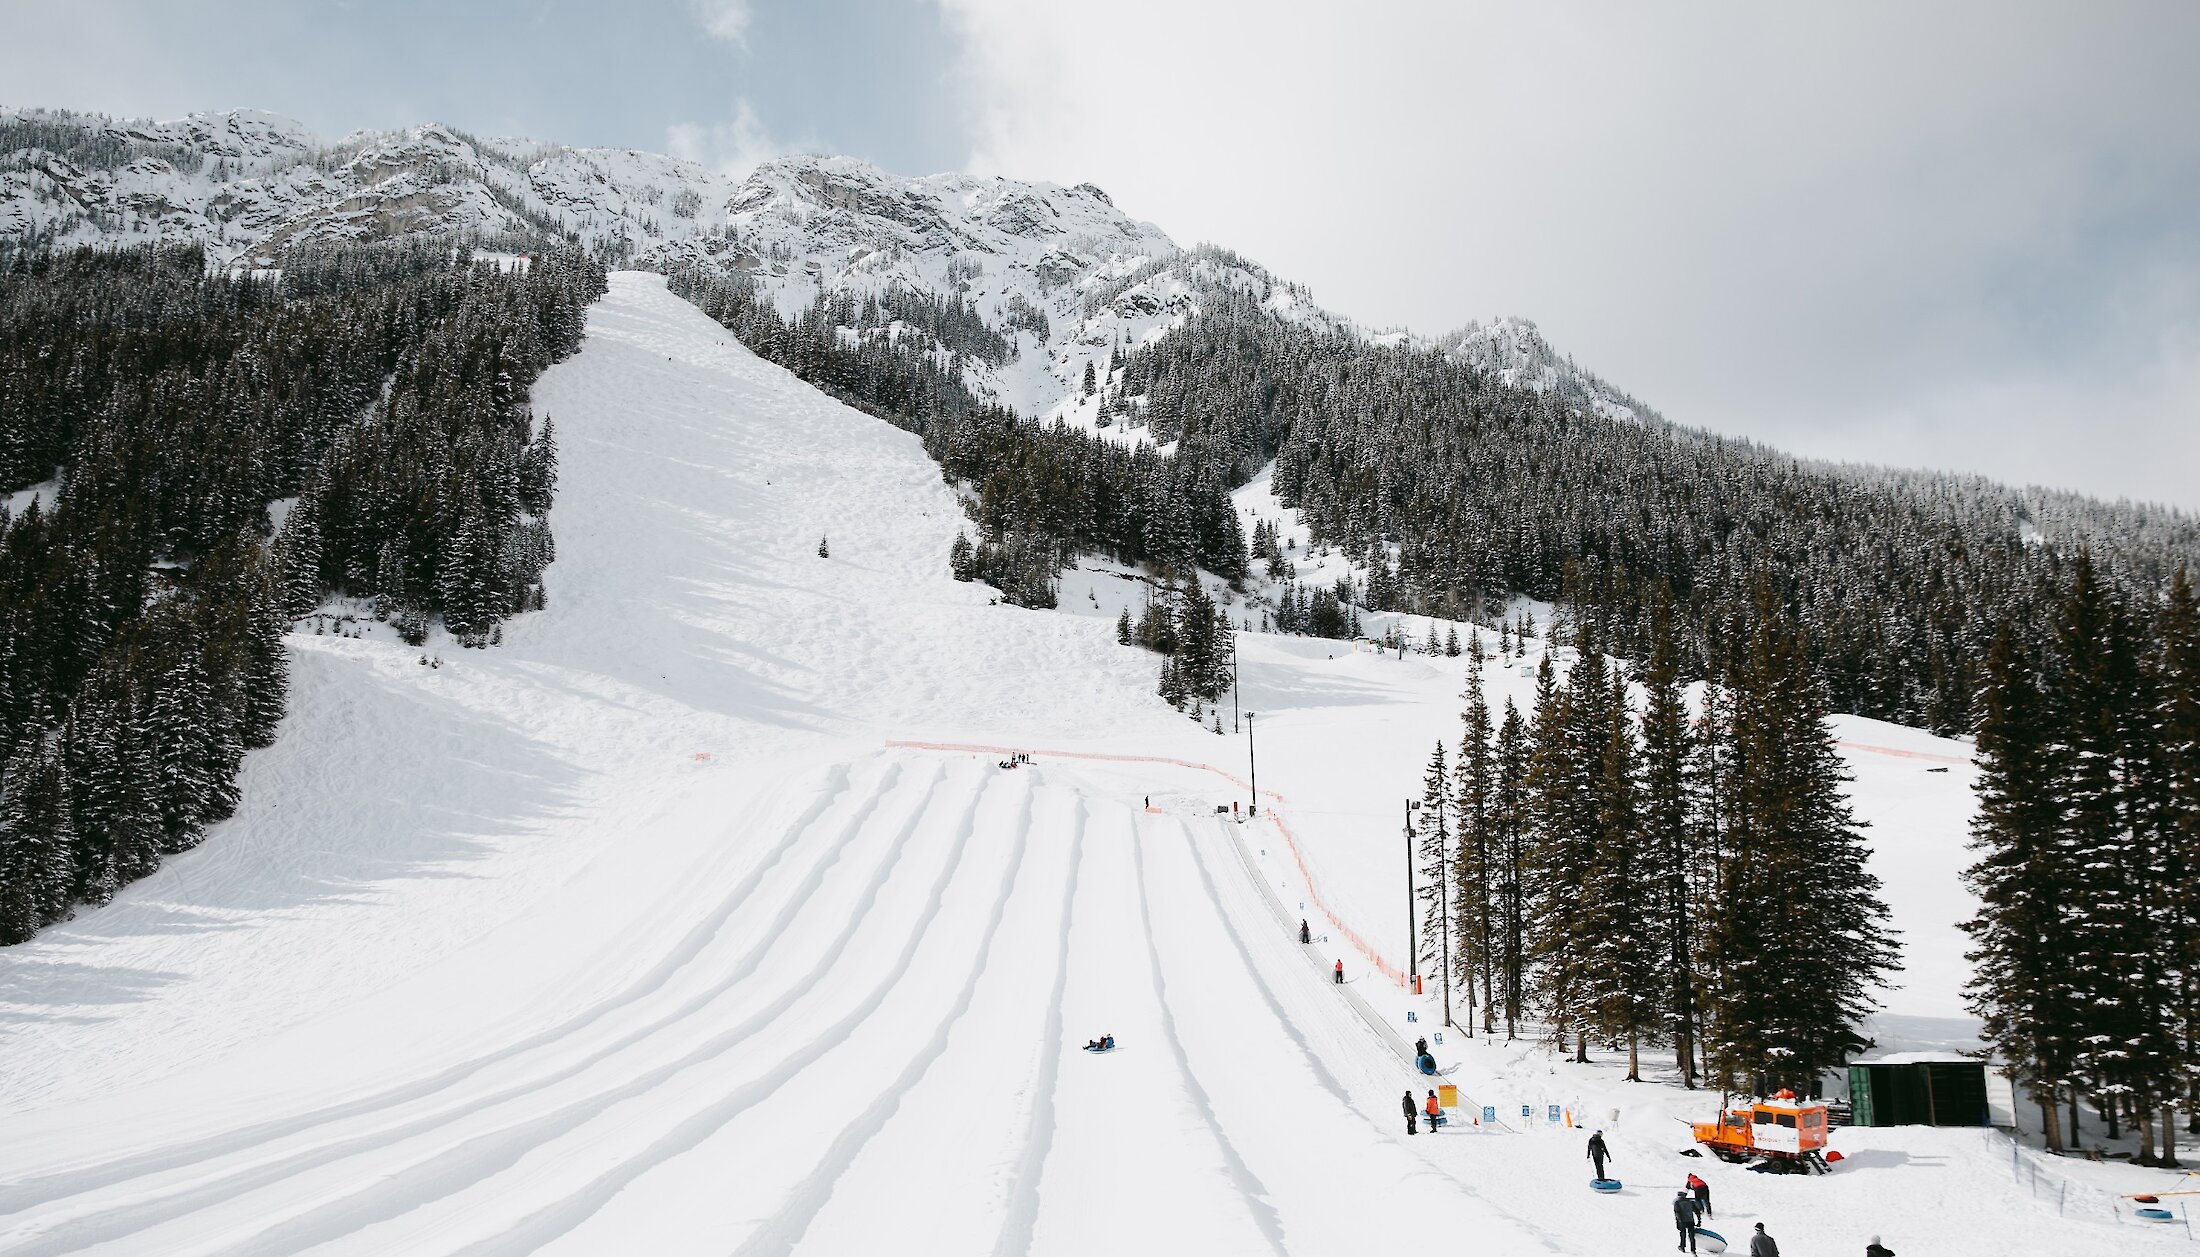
[1230, 777]
[1313, 891]
[1336, 922]
[1958, 760]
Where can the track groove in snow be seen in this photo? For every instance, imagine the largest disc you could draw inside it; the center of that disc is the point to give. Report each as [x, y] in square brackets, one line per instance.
[1250, 1191]
[1022, 1216]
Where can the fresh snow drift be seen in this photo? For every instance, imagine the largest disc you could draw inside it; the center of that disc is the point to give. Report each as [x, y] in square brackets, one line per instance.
[635, 935]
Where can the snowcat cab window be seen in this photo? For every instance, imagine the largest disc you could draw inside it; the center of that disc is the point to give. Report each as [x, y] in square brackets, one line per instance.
[1785, 1119]
[1764, 1118]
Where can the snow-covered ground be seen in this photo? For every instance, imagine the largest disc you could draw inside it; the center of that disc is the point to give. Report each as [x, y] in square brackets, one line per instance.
[691, 921]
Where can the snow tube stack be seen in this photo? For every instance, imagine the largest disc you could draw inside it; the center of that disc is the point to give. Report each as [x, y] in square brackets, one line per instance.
[1605, 1185]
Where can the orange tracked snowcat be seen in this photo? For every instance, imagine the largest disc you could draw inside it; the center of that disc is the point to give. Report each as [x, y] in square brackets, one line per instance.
[1790, 1134]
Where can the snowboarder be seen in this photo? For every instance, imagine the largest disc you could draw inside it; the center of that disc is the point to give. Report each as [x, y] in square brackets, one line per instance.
[1703, 1196]
[1306, 934]
[1413, 1115]
[1684, 1220]
[1340, 982]
[1598, 1153]
[1873, 1248]
[1763, 1245]
[1435, 1112]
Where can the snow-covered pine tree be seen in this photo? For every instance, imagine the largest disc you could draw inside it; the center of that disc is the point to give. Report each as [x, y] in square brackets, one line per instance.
[1570, 733]
[1433, 831]
[1511, 848]
[2022, 988]
[1617, 931]
[1799, 939]
[538, 470]
[1670, 855]
[1474, 869]
[2179, 722]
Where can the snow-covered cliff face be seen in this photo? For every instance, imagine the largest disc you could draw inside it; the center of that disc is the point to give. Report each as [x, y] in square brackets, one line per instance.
[1063, 274]
[245, 183]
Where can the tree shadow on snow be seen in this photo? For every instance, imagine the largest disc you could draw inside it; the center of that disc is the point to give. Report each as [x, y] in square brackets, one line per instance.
[411, 785]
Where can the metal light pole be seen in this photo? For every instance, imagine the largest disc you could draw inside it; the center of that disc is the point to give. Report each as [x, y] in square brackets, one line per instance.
[1233, 684]
[1252, 763]
[1413, 941]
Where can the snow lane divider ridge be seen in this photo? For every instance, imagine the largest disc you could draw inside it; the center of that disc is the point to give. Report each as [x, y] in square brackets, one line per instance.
[1367, 951]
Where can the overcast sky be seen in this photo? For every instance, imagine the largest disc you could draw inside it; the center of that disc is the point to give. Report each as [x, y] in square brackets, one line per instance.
[1956, 235]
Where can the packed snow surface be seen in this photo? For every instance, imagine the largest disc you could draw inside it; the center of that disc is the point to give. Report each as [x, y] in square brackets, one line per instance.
[691, 921]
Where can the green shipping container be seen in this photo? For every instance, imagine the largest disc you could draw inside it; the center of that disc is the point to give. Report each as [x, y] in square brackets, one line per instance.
[1918, 1093]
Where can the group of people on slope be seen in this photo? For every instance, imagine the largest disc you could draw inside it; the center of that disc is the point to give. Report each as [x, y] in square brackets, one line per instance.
[1432, 1109]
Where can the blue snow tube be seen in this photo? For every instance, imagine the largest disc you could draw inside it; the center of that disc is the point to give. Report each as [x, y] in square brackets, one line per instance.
[1709, 1241]
[1427, 1064]
[2155, 1213]
[1605, 1185]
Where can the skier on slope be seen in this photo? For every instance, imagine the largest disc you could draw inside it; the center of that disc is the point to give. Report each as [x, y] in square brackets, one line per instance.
[1763, 1245]
[1413, 1115]
[1598, 1153]
[1703, 1196]
[1684, 1220]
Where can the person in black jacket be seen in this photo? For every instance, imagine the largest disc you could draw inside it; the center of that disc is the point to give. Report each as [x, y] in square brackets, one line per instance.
[1306, 935]
[1873, 1248]
[1413, 1115]
[1684, 1219]
[1598, 1153]
[1763, 1245]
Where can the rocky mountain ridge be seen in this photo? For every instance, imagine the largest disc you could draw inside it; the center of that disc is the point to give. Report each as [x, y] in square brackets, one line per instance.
[1063, 276]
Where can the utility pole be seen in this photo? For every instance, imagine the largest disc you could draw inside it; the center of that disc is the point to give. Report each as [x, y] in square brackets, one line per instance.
[1233, 684]
[1443, 899]
[1253, 764]
[1413, 939]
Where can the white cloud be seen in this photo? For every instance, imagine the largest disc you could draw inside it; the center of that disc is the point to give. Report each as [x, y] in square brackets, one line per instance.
[735, 147]
[725, 19]
[1784, 222]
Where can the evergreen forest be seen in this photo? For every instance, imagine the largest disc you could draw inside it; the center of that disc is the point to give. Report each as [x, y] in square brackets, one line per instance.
[373, 399]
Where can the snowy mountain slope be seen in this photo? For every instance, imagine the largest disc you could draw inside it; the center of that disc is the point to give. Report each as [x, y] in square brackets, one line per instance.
[1063, 272]
[492, 962]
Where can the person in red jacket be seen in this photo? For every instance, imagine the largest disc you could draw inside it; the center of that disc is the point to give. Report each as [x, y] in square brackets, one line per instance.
[1340, 973]
[1702, 1191]
[1434, 1110]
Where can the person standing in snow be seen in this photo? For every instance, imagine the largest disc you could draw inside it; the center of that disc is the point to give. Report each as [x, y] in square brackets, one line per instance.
[1435, 1111]
[1598, 1153]
[1340, 982]
[1684, 1220]
[1703, 1196]
[1873, 1248]
[1306, 935]
[1413, 1115]
[1763, 1245]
